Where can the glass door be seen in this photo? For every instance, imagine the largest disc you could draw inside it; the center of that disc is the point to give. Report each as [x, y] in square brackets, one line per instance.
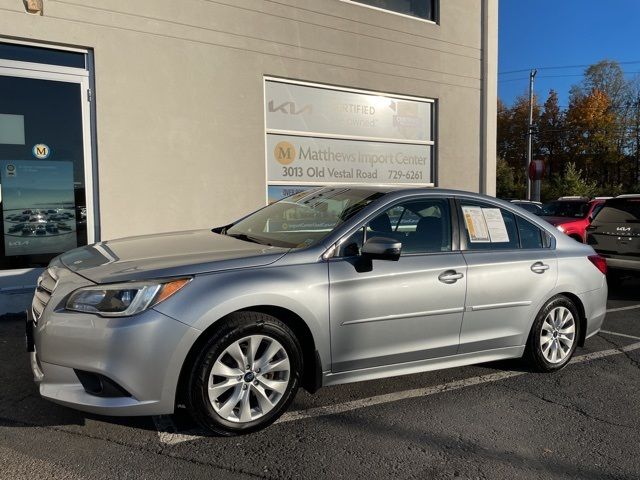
[44, 157]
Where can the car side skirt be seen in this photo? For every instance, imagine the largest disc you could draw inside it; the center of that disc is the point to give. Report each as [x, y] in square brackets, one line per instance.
[419, 366]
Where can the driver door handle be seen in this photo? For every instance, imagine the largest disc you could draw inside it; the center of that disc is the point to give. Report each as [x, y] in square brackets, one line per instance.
[539, 267]
[450, 276]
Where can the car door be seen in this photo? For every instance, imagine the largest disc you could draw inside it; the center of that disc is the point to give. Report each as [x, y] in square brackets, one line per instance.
[511, 269]
[386, 312]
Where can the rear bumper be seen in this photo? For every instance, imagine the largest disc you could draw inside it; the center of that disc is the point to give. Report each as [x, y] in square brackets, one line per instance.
[595, 308]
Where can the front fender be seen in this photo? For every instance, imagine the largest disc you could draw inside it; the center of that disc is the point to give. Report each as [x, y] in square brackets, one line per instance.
[302, 289]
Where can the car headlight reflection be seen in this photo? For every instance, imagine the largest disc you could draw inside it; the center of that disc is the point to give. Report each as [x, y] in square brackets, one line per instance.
[123, 299]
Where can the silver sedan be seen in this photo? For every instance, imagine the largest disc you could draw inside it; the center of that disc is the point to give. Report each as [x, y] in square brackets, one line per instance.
[331, 285]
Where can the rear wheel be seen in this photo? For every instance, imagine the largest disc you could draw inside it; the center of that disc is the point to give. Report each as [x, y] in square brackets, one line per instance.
[554, 336]
[246, 374]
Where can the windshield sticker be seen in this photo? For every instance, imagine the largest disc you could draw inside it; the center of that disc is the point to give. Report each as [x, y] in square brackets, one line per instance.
[495, 224]
[476, 224]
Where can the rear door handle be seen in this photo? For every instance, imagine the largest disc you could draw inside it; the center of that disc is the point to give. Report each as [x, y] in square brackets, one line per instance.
[450, 276]
[539, 267]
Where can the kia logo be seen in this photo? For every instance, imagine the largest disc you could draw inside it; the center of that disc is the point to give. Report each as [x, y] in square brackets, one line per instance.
[623, 229]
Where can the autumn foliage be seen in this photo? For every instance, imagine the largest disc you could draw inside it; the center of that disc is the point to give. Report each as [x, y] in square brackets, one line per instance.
[591, 145]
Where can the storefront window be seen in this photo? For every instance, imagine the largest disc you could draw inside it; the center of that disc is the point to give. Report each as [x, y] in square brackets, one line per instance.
[42, 174]
[320, 135]
[416, 8]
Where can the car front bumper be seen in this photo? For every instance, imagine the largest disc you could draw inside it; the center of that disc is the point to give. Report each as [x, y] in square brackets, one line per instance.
[142, 355]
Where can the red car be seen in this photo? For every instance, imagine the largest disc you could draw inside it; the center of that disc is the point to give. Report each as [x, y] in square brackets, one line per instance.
[572, 215]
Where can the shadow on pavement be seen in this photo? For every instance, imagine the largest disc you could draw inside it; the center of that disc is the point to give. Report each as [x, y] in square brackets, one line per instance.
[461, 451]
[629, 289]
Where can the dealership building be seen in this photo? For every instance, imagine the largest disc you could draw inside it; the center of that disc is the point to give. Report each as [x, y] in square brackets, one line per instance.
[122, 118]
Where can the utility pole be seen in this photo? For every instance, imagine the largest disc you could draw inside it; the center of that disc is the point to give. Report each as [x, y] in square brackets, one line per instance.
[637, 128]
[532, 75]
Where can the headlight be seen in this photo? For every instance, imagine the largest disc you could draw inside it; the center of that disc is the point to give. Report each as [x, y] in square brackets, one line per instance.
[123, 299]
[561, 228]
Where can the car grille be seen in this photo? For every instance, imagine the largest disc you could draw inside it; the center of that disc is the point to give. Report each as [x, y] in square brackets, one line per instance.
[44, 289]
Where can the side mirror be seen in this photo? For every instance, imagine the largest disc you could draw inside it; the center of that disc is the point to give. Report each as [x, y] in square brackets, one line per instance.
[382, 248]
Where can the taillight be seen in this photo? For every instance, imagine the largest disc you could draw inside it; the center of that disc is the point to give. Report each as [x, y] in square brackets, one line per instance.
[599, 262]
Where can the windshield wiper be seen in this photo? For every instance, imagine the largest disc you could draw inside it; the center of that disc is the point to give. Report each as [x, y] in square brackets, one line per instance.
[245, 237]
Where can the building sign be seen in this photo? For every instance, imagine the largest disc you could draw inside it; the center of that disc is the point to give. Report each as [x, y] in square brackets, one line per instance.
[325, 160]
[38, 207]
[325, 135]
[329, 112]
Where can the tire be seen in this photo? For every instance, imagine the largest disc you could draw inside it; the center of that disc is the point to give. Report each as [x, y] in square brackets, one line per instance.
[540, 352]
[276, 363]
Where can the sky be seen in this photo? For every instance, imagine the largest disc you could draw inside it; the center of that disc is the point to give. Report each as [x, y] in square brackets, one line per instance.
[560, 33]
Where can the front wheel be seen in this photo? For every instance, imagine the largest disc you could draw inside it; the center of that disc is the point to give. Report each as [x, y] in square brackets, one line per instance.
[246, 375]
[554, 336]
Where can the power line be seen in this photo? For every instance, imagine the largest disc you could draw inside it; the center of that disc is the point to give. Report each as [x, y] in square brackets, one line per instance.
[562, 67]
[557, 76]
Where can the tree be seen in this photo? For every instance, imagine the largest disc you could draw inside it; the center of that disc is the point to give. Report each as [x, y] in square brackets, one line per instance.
[591, 134]
[570, 182]
[607, 77]
[551, 134]
[599, 133]
[513, 125]
[506, 186]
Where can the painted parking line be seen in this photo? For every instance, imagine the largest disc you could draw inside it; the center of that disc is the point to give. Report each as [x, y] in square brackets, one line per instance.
[620, 309]
[446, 387]
[620, 334]
[167, 426]
[168, 432]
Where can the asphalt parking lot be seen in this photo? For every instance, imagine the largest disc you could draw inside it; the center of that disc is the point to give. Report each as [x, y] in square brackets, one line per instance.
[495, 420]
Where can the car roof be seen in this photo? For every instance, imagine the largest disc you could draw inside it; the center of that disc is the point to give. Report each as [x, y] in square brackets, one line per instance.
[400, 189]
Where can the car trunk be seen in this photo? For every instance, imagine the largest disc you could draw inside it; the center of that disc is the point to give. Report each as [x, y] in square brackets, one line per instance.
[615, 232]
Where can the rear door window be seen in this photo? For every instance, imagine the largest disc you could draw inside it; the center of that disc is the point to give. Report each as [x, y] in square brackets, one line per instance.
[487, 227]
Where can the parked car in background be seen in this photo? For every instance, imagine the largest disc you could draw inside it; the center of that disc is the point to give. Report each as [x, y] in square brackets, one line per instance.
[572, 215]
[229, 322]
[615, 234]
[16, 228]
[529, 206]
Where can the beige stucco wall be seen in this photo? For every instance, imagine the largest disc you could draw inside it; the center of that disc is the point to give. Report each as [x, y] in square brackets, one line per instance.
[179, 91]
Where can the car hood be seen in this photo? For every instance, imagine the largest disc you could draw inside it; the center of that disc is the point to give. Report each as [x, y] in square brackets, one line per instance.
[167, 255]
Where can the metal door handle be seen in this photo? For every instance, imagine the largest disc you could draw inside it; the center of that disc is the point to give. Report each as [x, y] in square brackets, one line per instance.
[539, 267]
[450, 276]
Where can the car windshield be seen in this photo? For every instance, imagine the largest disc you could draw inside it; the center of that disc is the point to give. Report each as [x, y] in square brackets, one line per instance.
[565, 209]
[303, 219]
[620, 211]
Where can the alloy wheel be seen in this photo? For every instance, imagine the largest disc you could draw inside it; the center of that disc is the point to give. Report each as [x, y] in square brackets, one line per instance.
[249, 378]
[557, 335]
